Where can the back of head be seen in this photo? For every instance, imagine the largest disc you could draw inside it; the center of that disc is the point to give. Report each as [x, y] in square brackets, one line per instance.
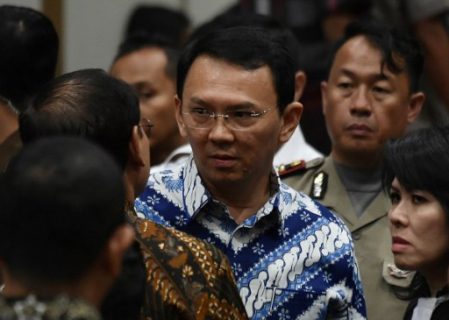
[61, 199]
[149, 20]
[87, 103]
[419, 161]
[400, 52]
[248, 47]
[28, 55]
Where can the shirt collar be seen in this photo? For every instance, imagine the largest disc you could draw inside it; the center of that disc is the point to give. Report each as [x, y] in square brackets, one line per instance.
[195, 191]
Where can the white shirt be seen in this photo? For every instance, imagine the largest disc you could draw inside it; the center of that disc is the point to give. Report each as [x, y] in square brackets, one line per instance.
[176, 158]
[424, 309]
[295, 149]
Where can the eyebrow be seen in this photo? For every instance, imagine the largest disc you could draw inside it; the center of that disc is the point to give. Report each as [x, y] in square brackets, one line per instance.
[141, 84]
[376, 77]
[231, 106]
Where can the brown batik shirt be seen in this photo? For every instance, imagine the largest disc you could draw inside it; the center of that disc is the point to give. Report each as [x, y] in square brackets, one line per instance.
[187, 278]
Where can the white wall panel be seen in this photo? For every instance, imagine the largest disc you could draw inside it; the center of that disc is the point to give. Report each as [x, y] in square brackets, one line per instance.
[93, 28]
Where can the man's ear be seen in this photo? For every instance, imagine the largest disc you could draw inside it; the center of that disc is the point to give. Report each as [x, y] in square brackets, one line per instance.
[415, 105]
[137, 147]
[290, 120]
[179, 119]
[300, 84]
[118, 243]
[324, 88]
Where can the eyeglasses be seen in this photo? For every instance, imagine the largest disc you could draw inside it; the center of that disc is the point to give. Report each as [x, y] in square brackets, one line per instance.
[201, 118]
[146, 126]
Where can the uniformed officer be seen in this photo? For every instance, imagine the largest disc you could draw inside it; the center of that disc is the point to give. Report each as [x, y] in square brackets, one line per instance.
[370, 96]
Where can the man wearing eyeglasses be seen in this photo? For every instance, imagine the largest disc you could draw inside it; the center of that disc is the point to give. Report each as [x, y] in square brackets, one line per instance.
[292, 258]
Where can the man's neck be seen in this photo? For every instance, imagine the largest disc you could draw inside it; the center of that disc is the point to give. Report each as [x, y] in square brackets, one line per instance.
[242, 199]
[360, 161]
[130, 195]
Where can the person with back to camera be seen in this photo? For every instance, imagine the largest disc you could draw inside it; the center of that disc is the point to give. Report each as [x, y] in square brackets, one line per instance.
[185, 277]
[370, 96]
[29, 51]
[416, 178]
[235, 105]
[62, 230]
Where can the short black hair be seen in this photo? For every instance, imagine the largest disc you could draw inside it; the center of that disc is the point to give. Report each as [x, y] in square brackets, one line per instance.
[273, 26]
[249, 48]
[87, 103]
[28, 55]
[141, 41]
[392, 44]
[61, 199]
[151, 19]
[420, 161]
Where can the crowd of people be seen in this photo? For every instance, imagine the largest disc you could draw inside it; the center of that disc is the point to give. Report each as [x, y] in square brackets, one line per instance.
[178, 184]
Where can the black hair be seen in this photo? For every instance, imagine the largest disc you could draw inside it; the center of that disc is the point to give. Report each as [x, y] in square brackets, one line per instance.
[87, 103]
[141, 41]
[150, 19]
[61, 199]
[249, 48]
[420, 161]
[274, 27]
[28, 55]
[392, 44]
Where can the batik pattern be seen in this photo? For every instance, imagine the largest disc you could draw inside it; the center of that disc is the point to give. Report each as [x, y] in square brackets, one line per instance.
[187, 278]
[293, 259]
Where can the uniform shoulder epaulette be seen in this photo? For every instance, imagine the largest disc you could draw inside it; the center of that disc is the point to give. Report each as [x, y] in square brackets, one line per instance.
[285, 170]
[298, 166]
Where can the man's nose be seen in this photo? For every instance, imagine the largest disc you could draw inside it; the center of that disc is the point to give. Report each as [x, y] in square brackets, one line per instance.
[361, 105]
[220, 131]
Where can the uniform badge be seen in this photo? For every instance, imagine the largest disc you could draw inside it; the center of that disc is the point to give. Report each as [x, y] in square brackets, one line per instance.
[319, 185]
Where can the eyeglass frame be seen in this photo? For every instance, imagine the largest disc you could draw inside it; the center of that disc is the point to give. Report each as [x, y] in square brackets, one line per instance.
[226, 116]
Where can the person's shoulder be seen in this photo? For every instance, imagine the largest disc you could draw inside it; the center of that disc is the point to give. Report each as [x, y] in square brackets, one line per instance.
[182, 255]
[301, 178]
[299, 168]
[61, 307]
[150, 231]
[164, 182]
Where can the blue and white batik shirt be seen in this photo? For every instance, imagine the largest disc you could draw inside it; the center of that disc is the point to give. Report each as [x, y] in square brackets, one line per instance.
[293, 259]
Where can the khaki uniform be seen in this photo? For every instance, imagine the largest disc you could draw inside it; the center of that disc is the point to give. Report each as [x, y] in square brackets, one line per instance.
[319, 179]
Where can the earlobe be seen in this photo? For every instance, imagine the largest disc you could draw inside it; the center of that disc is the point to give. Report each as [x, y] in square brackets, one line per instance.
[290, 120]
[324, 96]
[416, 103]
[179, 119]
